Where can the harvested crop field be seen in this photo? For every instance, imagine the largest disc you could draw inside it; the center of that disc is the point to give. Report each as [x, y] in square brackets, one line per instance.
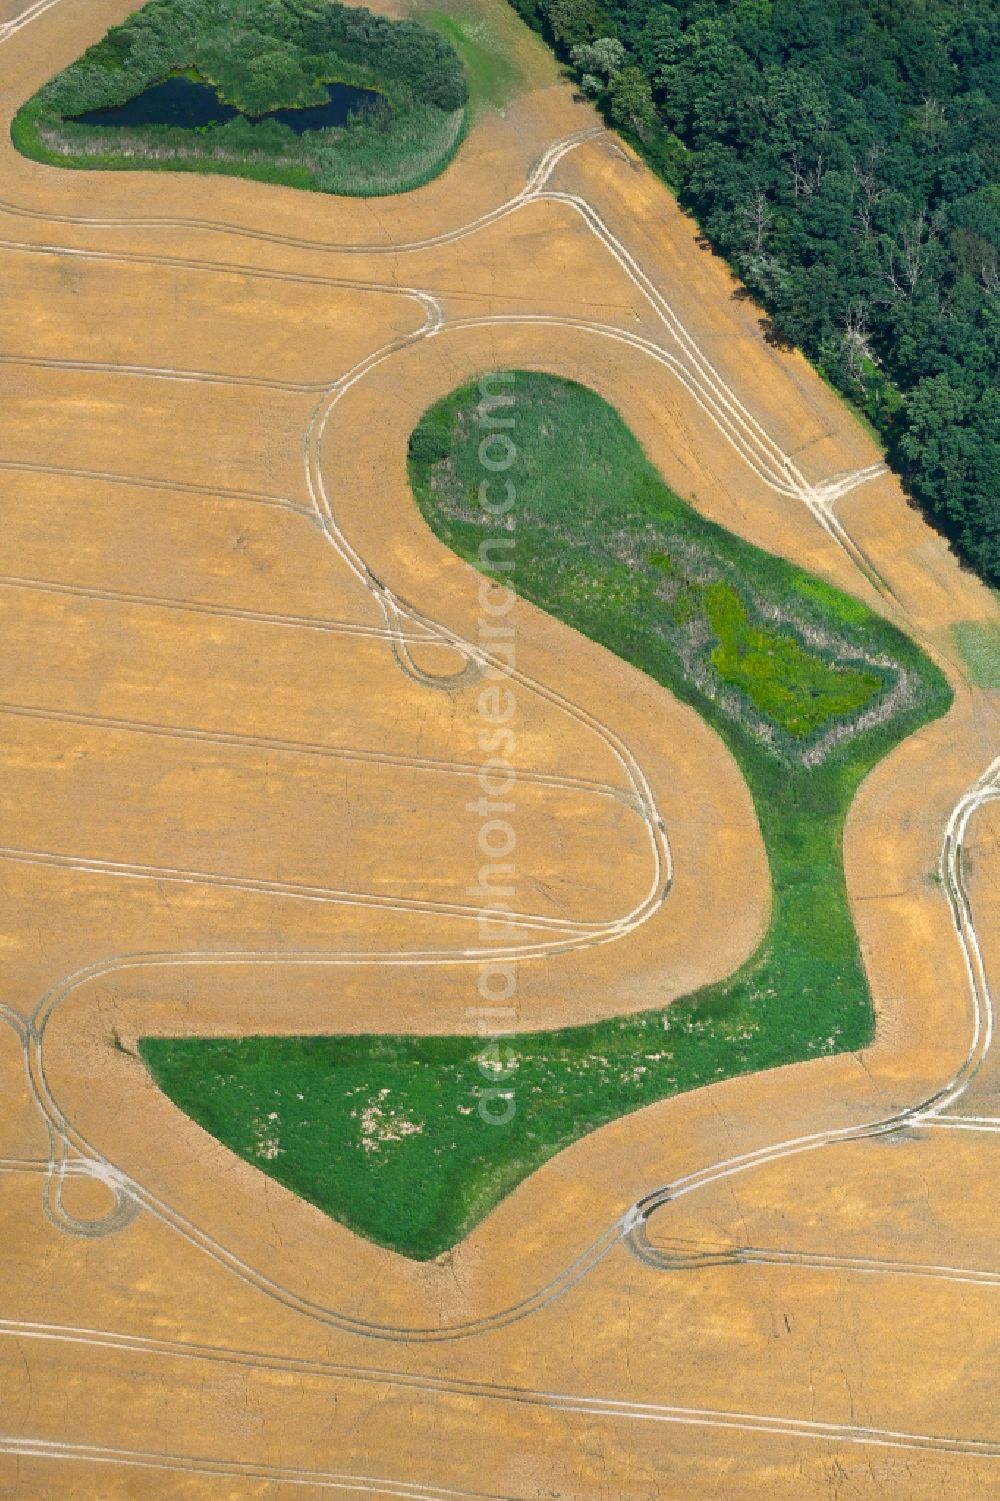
[243, 711]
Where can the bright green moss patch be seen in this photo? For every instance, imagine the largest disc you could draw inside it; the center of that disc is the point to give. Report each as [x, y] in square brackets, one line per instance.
[794, 688]
[838, 606]
[809, 690]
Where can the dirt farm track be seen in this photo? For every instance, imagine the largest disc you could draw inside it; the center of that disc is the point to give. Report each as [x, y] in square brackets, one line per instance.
[239, 710]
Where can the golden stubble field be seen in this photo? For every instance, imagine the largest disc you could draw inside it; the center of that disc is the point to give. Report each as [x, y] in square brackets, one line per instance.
[240, 732]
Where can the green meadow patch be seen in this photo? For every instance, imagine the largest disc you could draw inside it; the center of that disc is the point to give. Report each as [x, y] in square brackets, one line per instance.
[808, 688]
[979, 645]
[493, 75]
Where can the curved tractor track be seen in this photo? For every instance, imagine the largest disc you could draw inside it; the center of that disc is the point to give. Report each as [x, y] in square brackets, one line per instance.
[406, 630]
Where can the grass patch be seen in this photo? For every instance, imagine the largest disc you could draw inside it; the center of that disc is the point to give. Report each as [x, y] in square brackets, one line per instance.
[261, 55]
[493, 75]
[978, 643]
[808, 688]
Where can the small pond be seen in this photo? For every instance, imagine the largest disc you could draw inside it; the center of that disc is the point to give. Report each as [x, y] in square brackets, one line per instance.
[183, 101]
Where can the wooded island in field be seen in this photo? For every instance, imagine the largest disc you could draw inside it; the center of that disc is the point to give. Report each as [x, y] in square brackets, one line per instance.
[268, 74]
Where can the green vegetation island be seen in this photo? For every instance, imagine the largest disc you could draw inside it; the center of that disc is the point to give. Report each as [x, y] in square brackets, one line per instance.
[807, 687]
[242, 70]
[844, 156]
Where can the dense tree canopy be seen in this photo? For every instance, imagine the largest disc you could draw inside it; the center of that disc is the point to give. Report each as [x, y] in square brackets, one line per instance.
[845, 156]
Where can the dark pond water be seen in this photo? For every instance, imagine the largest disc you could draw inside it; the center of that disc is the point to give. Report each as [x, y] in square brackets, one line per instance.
[182, 101]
